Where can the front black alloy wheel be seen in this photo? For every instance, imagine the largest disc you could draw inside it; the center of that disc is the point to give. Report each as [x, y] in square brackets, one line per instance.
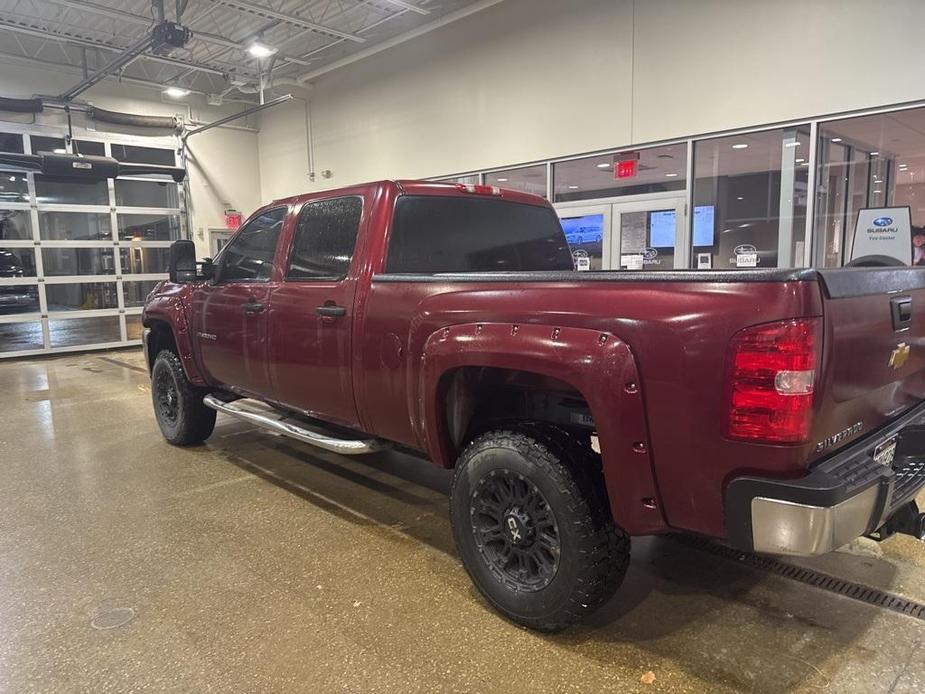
[166, 397]
[533, 527]
[183, 418]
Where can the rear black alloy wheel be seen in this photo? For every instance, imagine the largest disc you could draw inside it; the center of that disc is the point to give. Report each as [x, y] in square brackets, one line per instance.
[533, 526]
[515, 530]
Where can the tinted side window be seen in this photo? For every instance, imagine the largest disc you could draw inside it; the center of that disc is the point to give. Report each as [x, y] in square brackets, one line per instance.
[249, 257]
[325, 239]
[434, 234]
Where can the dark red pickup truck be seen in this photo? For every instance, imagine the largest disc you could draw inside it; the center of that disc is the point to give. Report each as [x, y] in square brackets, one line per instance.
[779, 410]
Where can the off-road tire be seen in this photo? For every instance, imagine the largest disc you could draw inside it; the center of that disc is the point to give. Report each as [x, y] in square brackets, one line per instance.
[178, 408]
[593, 553]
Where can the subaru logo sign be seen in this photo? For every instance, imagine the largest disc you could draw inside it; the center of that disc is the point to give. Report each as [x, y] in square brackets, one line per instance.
[649, 253]
[883, 221]
[745, 248]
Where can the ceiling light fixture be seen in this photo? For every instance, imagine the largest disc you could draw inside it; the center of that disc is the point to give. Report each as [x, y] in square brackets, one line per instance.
[60, 151]
[603, 166]
[740, 198]
[799, 161]
[878, 191]
[791, 144]
[502, 180]
[260, 50]
[671, 175]
[875, 154]
[573, 187]
[176, 92]
[836, 139]
[740, 145]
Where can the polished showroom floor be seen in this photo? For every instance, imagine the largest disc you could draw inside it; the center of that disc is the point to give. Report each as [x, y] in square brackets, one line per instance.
[255, 564]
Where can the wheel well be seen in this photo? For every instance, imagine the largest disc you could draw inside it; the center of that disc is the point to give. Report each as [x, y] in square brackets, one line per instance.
[161, 338]
[480, 398]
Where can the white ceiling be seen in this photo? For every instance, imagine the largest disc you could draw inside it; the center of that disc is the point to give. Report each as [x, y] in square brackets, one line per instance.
[311, 37]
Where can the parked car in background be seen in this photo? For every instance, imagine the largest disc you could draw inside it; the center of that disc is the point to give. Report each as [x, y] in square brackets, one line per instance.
[15, 298]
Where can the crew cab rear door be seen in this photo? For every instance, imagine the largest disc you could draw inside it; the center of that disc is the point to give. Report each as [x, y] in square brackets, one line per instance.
[873, 350]
[312, 312]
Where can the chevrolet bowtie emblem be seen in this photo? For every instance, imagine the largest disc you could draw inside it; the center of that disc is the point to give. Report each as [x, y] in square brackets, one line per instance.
[899, 356]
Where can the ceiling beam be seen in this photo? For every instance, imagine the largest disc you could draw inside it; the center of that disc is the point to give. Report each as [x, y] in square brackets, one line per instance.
[87, 43]
[64, 67]
[292, 19]
[407, 6]
[103, 10]
[227, 43]
[205, 36]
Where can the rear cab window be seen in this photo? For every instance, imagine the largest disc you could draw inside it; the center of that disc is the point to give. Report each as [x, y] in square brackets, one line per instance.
[325, 238]
[434, 234]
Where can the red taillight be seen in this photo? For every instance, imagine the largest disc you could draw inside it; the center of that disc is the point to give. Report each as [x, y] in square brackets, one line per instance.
[770, 374]
[478, 189]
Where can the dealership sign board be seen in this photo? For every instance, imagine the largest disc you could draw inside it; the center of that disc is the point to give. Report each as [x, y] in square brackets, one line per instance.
[883, 231]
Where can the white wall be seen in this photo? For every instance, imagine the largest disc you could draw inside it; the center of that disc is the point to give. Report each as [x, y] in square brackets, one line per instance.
[508, 84]
[716, 64]
[530, 79]
[222, 164]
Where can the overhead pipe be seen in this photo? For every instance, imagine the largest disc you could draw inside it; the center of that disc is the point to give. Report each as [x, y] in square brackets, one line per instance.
[227, 119]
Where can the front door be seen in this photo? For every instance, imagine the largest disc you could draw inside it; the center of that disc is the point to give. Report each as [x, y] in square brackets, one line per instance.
[312, 313]
[230, 312]
[636, 233]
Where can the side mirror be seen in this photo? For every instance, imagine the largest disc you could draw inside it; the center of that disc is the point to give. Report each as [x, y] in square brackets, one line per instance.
[182, 263]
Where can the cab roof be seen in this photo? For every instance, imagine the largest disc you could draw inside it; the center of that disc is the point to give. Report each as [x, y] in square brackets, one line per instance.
[417, 187]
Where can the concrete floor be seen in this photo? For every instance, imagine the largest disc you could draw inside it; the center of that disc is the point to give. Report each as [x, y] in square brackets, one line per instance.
[255, 564]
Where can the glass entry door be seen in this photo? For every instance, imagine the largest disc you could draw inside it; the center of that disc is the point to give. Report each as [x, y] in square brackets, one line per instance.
[639, 234]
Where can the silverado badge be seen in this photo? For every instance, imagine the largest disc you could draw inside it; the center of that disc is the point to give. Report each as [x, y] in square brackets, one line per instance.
[899, 355]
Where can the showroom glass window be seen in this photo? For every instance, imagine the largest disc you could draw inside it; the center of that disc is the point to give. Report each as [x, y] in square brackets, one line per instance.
[250, 255]
[325, 238]
[468, 180]
[528, 179]
[867, 162]
[753, 188]
[652, 170]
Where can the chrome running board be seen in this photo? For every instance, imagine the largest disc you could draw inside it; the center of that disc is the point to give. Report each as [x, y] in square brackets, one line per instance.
[265, 416]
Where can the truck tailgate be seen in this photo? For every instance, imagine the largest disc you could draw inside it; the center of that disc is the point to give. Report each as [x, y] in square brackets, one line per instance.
[873, 363]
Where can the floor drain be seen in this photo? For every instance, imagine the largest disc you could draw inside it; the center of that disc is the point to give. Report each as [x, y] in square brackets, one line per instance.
[817, 579]
[110, 618]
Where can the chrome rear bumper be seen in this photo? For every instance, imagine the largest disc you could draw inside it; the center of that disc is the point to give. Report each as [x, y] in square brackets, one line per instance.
[848, 495]
[785, 527]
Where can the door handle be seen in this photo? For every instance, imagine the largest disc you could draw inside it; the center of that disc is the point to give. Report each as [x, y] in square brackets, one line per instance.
[331, 311]
[253, 307]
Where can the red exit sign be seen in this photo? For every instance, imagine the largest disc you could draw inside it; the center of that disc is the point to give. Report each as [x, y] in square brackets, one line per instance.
[627, 168]
[233, 219]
